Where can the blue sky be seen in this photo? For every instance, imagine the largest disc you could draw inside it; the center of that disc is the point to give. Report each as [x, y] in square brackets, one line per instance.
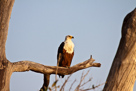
[37, 28]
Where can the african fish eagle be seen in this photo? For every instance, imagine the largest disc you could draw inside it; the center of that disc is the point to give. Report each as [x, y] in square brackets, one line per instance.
[65, 53]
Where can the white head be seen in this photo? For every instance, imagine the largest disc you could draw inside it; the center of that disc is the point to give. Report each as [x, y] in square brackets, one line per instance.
[69, 45]
[69, 37]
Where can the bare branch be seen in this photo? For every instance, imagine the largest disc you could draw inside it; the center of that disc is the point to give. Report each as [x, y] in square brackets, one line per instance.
[22, 66]
[72, 85]
[62, 87]
[86, 82]
[46, 82]
[93, 87]
[81, 80]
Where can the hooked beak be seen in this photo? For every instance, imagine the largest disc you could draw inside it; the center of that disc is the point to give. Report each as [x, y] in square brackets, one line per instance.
[72, 37]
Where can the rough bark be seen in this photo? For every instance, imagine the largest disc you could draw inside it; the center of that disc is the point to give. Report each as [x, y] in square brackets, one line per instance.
[5, 12]
[5, 65]
[122, 74]
[22, 66]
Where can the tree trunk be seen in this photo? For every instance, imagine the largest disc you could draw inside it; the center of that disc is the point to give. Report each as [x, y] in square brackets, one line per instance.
[122, 74]
[5, 65]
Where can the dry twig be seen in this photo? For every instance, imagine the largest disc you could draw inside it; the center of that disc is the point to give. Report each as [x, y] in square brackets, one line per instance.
[72, 85]
[62, 87]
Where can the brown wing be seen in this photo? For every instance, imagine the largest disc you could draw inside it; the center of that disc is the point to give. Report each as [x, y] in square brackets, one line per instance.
[60, 53]
[59, 56]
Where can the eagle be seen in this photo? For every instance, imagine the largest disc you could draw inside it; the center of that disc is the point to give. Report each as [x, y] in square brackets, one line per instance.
[65, 53]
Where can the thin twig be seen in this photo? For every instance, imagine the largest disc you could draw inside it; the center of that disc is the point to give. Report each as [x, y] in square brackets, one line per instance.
[85, 75]
[56, 76]
[86, 82]
[77, 88]
[92, 87]
[82, 78]
[72, 84]
[65, 83]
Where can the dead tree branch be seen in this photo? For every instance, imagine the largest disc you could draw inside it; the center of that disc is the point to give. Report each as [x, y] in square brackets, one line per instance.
[22, 66]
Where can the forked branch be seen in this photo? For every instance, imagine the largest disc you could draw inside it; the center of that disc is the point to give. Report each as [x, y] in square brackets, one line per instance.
[22, 66]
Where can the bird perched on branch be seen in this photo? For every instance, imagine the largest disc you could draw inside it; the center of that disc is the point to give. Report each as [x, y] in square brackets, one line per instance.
[65, 53]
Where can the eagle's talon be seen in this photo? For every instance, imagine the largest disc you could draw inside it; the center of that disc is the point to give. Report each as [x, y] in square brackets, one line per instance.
[67, 67]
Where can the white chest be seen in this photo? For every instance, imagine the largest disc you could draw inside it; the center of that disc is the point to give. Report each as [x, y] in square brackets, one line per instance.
[69, 46]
